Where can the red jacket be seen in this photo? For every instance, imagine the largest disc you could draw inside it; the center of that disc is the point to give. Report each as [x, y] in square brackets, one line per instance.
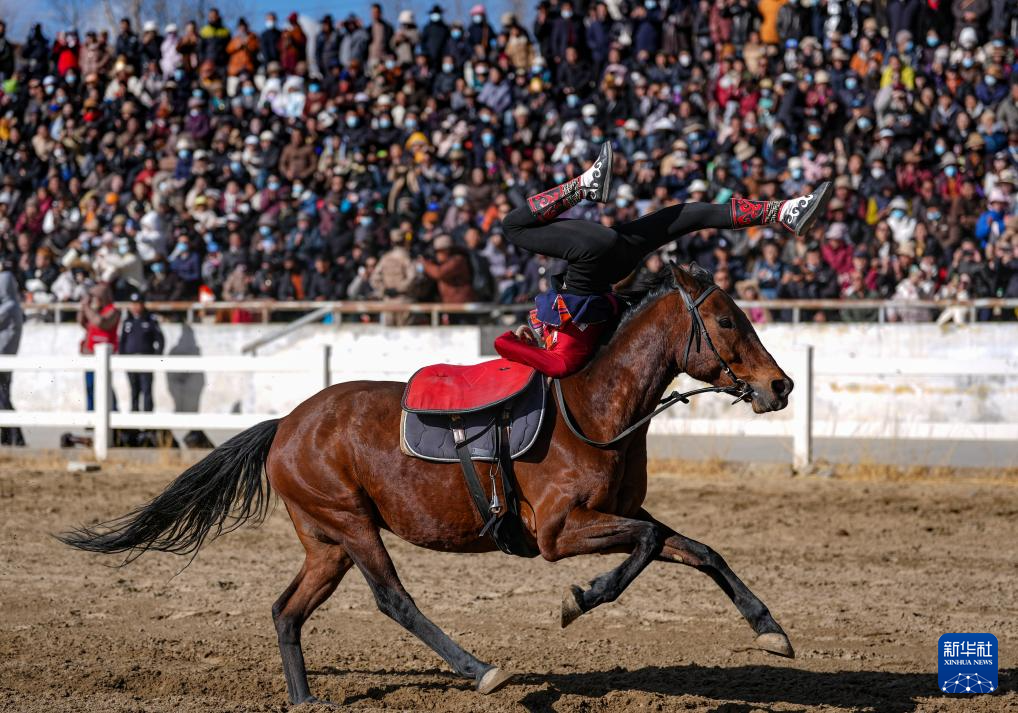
[569, 352]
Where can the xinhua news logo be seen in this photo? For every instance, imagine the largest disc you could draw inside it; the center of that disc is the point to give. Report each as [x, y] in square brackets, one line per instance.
[967, 663]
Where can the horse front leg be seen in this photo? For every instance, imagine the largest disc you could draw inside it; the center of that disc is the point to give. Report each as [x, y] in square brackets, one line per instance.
[585, 532]
[680, 549]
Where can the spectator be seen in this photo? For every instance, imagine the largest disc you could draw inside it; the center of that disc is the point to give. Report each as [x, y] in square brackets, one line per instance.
[11, 320]
[450, 270]
[100, 318]
[140, 335]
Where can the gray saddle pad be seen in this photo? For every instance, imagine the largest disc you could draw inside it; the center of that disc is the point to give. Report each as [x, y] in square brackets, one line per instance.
[429, 436]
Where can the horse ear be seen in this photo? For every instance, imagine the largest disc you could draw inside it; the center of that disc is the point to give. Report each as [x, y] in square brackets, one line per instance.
[686, 279]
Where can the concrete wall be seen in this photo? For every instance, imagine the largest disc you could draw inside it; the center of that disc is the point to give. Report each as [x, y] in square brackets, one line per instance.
[374, 352]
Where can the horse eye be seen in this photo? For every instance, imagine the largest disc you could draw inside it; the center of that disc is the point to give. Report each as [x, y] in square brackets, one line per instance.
[725, 322]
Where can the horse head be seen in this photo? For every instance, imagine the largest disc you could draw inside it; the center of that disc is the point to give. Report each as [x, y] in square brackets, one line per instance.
[737, 349]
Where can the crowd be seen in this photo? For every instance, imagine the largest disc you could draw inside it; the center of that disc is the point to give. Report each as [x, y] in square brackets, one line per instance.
[323, 160]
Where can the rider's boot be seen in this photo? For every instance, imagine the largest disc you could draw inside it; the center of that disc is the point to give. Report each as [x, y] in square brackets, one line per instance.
[797, 214]
[593, 184]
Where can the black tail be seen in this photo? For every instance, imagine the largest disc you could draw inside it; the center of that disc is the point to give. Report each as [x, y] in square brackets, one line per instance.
[218, 494]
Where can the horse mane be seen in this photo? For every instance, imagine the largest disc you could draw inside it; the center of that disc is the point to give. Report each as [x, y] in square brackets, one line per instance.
[635, 303]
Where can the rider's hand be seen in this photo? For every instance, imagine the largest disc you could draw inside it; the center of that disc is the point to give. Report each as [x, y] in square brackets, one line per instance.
[525, 334]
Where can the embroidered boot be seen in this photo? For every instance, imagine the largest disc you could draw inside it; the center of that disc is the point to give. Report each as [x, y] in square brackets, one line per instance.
[593, 184]
[797, 214]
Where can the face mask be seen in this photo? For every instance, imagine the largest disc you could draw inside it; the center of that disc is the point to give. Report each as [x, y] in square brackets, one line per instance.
[273, 186]
[898, 213]
[447, 67]
[559, 178]
[967, 62]
[797, 173]
[932, 41]
[650, 4]
[814, 131]
[621, 202]
[685, 60]
[384, 123]
[457, 146]
[265, 230]
[766, 103]
[487, 139]
[588, 120]
[269, 24]
[389, 64]
[435, 17]
[909, 46]
[157, 268]
[864, 123]
[809, 155]
[456, 34]
[990, 80]
[71, 79]
[122, 249]
[49, 88]
[367, 220]
[178, 74]
[566, 14]
[195, 112]
[851, 82]
[572, 100]
[939, 149]
[351, 121]
[485, 118]
[183, 154]
[235, 167]
[460, 201]
[877, 173]
[410, 124]
[247, 91]
[950, 171]
[477, 19]
[933, 215]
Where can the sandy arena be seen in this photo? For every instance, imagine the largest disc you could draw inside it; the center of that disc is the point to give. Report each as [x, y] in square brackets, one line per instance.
[864, 572]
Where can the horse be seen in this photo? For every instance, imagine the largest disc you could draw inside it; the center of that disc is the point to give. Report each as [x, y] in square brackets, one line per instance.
[336, 463]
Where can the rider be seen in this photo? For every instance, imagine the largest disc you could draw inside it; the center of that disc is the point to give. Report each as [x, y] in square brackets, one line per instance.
[568, 321]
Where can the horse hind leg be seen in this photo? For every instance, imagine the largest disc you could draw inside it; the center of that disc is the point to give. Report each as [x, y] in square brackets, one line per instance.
[323, 569]
[369, 553]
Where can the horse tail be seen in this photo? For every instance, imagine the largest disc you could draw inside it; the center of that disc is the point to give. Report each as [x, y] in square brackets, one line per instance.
[214, 496]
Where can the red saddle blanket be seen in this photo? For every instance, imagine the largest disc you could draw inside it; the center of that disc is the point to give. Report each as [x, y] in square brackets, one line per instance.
[445, 388]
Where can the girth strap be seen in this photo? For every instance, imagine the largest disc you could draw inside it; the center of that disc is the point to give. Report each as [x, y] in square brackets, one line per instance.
[503, 525]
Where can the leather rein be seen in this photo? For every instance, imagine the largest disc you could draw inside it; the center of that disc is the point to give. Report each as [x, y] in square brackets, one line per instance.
[697, 333]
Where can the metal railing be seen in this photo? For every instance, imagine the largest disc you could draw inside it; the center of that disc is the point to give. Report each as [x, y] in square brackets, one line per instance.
[264, 310]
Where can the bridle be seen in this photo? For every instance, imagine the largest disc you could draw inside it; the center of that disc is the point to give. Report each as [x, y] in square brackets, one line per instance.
[698, 333]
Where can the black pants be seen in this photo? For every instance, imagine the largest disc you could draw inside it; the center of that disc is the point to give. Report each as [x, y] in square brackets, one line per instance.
[8, 436]
[599, 256]
[141, 390]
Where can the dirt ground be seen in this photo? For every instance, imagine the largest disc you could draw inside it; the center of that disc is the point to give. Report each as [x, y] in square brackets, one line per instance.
[864, 570]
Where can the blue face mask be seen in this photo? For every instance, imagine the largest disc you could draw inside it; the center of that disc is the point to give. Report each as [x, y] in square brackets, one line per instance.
[864, 123]
[178, 74]
[410, 124]
[367, 220]
[939, 149]
[389, 64]
[909, 46]
[265, 230]
[766, 103]
[990, 80]
[460, 201]
[248, 91]
[559, 178]
[351, 121]
[384, 123]
[184, 154]
[487, 139]
[898, 213]
[456, 34]
[235, 167]
[851, 82]
[447, 67]
[809, 155]
[485, 118]
[797, 173]
[273, 186]
[933, 215]
[967, 62]
[950, 171]
[477, 19]
[572, 100]
[932, 41]
[157, 268]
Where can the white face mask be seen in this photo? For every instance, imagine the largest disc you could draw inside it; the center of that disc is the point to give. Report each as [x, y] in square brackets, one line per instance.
[269, 24]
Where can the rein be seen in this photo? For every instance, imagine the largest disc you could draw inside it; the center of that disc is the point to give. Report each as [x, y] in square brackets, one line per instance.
[698, 330]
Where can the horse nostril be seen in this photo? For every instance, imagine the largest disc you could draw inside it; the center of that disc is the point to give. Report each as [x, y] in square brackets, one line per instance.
[780, 387]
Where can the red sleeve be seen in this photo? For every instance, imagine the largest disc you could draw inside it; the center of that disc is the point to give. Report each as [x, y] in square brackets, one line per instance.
[569, 354]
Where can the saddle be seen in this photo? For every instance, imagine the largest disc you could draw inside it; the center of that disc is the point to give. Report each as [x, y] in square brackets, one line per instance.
[490, 412]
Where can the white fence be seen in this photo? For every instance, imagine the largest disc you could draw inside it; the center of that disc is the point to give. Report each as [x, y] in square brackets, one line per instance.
[801, 428]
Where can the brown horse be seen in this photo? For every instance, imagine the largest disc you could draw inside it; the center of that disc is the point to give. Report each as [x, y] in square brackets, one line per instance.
[336, 463]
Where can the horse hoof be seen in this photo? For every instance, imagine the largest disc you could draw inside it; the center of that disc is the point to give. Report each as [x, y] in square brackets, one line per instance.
[312, 701]
[492, 680]
[571, 609]
[775, 643]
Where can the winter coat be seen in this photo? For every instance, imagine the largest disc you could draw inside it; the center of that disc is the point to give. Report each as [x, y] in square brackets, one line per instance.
[453, 278]
[11, 316]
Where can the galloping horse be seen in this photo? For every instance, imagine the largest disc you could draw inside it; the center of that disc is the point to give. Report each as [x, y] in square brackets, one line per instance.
[336, 463]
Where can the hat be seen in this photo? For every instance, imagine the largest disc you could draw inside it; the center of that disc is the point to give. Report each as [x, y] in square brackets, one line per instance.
[886, 134]
[265, 136]
[698, 186]
[361, 98]
[948, 159]
[1007, 176]
[406, 17]
[626, 191]
[589, 110]
[442, 242]
[911, 157]
[477, 10]
[136, 297]
[744, 151]
[997, 196]
[642, 156]
[843, 182]
[631, 125]
[170, 28]
[119, 219]
[436, 8]
[975, 142]
[384, 100]
[899, 203]
[839, 54]
[907, 249]
[837, 231]
[150, 26]
[232, 218]
[459, 191]
[836, 204]
[795, 162]
[822, 77]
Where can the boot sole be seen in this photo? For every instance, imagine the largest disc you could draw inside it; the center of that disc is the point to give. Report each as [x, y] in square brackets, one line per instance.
[825, 192]
[606, 184]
